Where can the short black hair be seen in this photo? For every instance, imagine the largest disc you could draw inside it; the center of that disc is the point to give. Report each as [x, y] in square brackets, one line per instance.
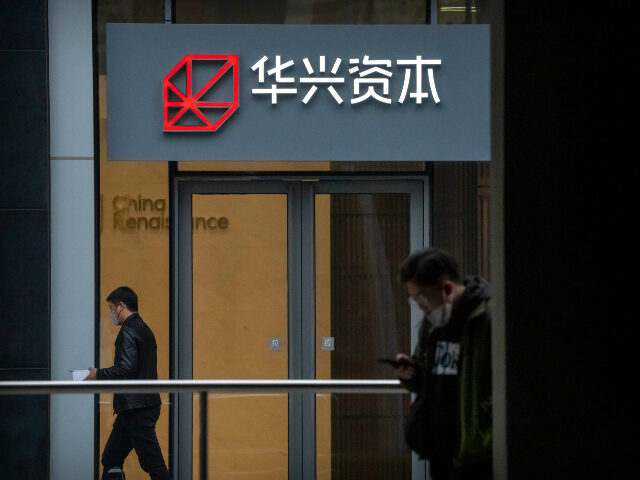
[429, 267]
[126, 296]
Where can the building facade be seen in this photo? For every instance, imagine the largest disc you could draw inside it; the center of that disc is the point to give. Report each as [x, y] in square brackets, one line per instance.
[290, 266]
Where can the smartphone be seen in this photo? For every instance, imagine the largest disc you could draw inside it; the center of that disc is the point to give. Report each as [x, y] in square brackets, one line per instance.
[397, 363]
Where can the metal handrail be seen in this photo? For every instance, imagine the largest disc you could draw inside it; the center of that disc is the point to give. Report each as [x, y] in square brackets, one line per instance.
[203, 387]
[41, 387]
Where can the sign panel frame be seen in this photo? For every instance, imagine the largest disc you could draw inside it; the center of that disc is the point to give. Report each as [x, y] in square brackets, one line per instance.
[298, 92]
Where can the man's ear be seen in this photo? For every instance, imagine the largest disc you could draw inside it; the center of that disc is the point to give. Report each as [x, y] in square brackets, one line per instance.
[447, 286]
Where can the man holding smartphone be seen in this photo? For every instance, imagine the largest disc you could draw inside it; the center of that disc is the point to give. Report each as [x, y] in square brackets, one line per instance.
[135, 358]
[451, 366]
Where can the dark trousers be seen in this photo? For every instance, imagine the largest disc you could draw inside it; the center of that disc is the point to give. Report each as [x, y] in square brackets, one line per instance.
[443, 469]
[478, 471]
[136, 429]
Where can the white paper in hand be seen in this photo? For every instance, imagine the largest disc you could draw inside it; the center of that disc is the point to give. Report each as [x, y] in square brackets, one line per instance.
[79, 374]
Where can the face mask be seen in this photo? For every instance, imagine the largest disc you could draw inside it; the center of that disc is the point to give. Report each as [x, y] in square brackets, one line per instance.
[114, 318]
[440, 316]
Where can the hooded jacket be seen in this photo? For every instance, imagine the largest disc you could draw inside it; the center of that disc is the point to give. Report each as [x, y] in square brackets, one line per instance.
[453, 374]
[135, 359]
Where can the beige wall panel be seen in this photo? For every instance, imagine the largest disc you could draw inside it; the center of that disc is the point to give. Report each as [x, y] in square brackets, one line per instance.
[239, 303]
[135, 256]
[247, 437]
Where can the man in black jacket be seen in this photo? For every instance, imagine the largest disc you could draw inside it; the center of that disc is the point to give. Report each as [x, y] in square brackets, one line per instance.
[135, 358]
[450, 369]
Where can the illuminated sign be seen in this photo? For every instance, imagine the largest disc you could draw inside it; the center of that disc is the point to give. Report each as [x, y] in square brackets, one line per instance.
[191, 102]
[298, 92]
[371, 83]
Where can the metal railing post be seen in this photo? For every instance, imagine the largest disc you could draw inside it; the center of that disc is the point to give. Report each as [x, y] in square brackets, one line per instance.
[204, 448]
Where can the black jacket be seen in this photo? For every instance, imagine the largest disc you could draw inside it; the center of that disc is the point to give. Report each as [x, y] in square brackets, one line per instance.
[135, 358]
[439, 379]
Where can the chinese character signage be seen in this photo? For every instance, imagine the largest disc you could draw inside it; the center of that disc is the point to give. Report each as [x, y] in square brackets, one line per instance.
[368, 79]
[282, 92]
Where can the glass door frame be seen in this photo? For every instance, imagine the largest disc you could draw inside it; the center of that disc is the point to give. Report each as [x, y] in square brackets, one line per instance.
[301, 190]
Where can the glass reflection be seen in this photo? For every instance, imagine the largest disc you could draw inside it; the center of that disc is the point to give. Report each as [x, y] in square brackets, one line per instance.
[320, 12]
[360, 239]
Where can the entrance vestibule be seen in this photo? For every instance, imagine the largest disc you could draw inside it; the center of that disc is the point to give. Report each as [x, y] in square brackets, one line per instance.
[300, 284]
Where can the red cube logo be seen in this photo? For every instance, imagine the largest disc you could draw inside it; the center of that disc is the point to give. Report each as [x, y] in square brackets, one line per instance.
[187, 87]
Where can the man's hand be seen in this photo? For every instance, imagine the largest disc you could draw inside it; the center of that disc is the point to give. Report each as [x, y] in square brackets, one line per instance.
[92, 374]
[404, 372]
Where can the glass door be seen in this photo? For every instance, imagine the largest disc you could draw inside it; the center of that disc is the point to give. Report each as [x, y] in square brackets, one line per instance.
[363, 230]
[294, 279]
[232, 323]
